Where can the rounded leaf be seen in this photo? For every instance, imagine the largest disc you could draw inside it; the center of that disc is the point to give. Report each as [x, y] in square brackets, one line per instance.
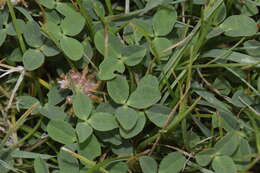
[146, 94]
[160, 45]
[164, 20]
[32, 59]
[133, 55]
[249, 8]
[84, 131]
[72, 48]
[221, 14]
[82, 105]
[67, 163]
[53, 29]
[40, 166]
[239, 26]
[222, 85]
[228, 144]
[49, 49]
[2, 36]
[53, 112]
[172, 163]
[148, 164]
[158, 114]
[142, 26]
[61, 131]
[136, 129]
[16, 55]
[10, 30]
[64, 8]
[119, 167]
[114, 45]
[125, 148]
[240, 94]
[55, 96]
[32, 34]
[244, 149]
[204, 157]
[252, 47]
[47, 3]
[102, 121]
[126, 117]
[70, 21]
[224, 164]
[108, 67]
[118, 89]
[90, 148]
[53, 17]
[25, 102]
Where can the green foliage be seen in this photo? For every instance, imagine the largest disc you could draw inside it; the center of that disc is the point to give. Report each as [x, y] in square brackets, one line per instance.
[148, 164]
[72, 48]
[61, 131]
[40, 166]
[239, 25]
[146, 94]
[118, 89]
[126, 117]
[102, 121]
[173, 162]
[82, 106]
[143, 86]
[224, 164]
[164, 20]
[32, 59]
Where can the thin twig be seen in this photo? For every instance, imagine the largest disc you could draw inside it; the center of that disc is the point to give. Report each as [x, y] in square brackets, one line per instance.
[18, 123]
[180, 150]
[249, 107]
[175, 45]
[204, 140]
[127, 6]
[5, 93]
[88, 162]
[212, 88]
[167, 122]
[19, 81]
[10, 70]
[36, 144]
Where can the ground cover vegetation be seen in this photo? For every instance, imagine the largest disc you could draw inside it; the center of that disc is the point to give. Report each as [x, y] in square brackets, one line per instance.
[137, 86]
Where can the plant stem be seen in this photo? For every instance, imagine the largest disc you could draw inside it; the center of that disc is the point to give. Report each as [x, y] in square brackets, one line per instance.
[109, 7]
[27, 136]
[18, 123]
[88, 19]
[176, 121]
[83, 159]
[17, 29]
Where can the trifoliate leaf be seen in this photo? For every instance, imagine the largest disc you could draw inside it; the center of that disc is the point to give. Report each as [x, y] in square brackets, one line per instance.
[32, 59]
[127, 117]
[146, 94]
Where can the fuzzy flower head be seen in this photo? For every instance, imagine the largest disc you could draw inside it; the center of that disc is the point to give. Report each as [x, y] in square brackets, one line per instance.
[87, 84]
